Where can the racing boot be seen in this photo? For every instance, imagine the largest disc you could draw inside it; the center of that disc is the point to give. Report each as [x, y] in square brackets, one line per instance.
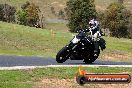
[96, 48]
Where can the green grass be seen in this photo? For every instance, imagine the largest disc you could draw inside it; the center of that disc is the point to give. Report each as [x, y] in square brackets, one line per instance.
[14, 79]
[116, 44]
[22, 40]
[15, 85]
[70, 73]
[27, 78]
[57, 26]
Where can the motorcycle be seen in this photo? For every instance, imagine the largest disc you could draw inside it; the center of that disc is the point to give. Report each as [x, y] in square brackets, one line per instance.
[81, 47]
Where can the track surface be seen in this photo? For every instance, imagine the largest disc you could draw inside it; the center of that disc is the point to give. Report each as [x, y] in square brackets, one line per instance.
[10, 61]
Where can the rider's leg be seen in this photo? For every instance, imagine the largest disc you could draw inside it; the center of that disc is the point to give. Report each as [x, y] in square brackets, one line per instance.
[96, 48]
[96, 45]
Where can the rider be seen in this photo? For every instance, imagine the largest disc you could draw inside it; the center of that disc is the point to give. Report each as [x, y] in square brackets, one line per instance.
[94, 28]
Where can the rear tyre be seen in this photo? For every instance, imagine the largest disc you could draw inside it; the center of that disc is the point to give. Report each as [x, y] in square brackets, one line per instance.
[62, 55]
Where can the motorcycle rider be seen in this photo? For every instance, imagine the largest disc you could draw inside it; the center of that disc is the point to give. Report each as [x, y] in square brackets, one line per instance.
[95, 32]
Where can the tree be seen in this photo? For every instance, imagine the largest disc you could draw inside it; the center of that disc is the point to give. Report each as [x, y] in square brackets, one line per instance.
[130, 27]
[33, 16]
[116, 19]
[7, 13]
[1, 12]
[79, 13]
[29, 15]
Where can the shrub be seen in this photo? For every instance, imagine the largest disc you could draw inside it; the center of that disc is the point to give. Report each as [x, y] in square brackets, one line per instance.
[7, 13]
[29, 15]
[61, 14]
[22, 17]
[115, 18]
[79, 13]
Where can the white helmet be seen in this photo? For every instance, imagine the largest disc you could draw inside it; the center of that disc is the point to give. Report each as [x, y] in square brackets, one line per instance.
[92, 23]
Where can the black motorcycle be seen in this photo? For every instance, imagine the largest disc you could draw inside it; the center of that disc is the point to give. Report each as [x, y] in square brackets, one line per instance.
[81, 47]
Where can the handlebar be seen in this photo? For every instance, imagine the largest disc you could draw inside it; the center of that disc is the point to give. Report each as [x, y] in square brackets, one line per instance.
[82, 30]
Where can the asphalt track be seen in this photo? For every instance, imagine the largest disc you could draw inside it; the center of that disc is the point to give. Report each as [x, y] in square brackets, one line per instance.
[11, 61]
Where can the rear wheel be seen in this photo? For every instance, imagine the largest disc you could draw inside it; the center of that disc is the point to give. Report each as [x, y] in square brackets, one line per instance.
[62, 55]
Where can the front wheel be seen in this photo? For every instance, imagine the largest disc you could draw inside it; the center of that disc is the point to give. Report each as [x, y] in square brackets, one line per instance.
[62, 55]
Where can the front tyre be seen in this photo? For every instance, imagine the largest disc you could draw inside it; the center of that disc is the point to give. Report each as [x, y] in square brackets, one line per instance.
[62, 55]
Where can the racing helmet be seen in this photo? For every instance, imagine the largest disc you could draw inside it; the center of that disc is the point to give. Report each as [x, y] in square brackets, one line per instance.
[92, 23]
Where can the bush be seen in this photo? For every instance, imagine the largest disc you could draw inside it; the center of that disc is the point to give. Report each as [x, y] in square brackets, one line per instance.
[115, 18]
[22, 17]
[130, 27]
[7, 13]
[79, 13]
[61, 14]
[29, 15]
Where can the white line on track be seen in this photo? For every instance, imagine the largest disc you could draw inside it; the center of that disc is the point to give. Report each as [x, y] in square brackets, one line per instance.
[33, 67]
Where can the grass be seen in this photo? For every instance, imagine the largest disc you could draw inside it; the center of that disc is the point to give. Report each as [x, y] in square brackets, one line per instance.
[17, 39]
[57, 26]
[14, 79]
[27, 78]
[101, 5]
[115, 44]
[16, 3]
[15, 85]
[70, 73]
[22, 40]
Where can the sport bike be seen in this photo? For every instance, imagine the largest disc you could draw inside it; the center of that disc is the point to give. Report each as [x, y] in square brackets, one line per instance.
[81, 47]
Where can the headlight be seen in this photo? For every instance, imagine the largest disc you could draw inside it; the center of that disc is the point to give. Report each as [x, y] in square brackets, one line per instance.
[75, 40]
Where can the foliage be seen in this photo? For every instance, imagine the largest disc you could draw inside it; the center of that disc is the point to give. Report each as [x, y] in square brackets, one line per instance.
[7, 13]
[130, 27]
[61, 14]
[116, 19]
[79, 13]
[53, 10]
[22, 17]
[29, 15]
